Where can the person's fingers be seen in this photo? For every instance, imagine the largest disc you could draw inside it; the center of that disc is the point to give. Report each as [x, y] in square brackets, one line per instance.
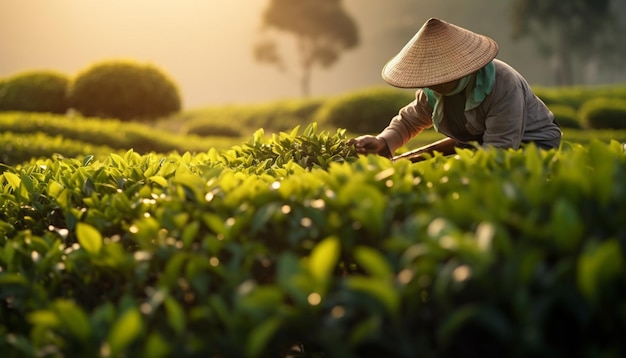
[367, 145]
[357, 142]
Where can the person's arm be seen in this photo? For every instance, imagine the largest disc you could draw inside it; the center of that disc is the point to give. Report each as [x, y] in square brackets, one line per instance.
[410, 121]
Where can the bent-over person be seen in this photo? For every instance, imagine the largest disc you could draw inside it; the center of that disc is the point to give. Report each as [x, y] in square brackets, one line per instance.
[463, 92]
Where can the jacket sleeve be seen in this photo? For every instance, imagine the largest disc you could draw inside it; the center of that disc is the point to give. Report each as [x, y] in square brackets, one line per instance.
[410, 121]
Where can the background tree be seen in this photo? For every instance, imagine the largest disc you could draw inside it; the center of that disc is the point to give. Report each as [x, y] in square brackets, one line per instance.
[569, 30]
[322, 30]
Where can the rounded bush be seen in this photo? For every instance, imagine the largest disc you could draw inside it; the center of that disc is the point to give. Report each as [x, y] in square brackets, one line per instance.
[124, 90]
[562, 96]
[363, 111]
[604, 113]
[565, 116]
[575, 96]
[36, 91]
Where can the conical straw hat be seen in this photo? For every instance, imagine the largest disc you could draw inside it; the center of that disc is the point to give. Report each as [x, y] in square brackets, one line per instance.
[440, 52]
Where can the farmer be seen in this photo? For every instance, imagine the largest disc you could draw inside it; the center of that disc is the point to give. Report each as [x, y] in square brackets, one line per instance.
[464, 93]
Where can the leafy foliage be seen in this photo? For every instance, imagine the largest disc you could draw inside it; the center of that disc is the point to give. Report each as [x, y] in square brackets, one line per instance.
[365, 111]
[604, 113]
[308, 150]
[28, 135]
[124, 90]
[250, 251]
[576, 96]
[276, 116]
[36, 91]
[565, 116]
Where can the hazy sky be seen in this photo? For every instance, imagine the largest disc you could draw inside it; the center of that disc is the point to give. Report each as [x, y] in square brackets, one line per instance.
[204, 45]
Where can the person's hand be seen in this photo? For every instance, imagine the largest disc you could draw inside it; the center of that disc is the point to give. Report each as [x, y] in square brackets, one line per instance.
[368, 144]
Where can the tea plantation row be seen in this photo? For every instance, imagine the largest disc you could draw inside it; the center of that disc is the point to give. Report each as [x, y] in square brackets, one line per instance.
[293, 241]
[27, 135]
[369, 110]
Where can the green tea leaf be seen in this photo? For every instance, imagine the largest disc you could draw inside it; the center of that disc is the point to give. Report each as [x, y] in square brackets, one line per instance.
[364, 330]
[373, 262]
[158, 180]
[598, 266]
[157, 346]
[378, 289]
[567, 226]
[73, 318]
[89, 238]
[323, 259]
[88, 187]
[12, 278]
[87, 160]
[125, 330]
[45, 318]
[12, 179]
[54, 189]
[175, 315]
[260, 336]
[27, 183]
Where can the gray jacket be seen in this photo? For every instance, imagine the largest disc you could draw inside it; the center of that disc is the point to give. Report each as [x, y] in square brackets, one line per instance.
[510, 115]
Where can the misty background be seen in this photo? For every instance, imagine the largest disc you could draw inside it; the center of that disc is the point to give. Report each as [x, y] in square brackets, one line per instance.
[206, 46]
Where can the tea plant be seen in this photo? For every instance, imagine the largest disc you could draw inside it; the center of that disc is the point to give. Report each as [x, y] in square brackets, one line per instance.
[294, 241]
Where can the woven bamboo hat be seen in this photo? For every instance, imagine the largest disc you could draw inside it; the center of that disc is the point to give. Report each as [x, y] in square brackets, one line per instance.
[440, 52]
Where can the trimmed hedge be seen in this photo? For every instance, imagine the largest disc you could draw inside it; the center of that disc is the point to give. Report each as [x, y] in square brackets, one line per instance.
[356, 111]
[576, 96]
[565, 116]
[604, 113]
[24, 148]
[275, 116]
[364, 111]
[125, 90]
[248, 252]
[36, 91]
[103, 132]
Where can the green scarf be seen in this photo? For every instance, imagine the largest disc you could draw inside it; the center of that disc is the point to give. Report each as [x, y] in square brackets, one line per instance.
[480, 85]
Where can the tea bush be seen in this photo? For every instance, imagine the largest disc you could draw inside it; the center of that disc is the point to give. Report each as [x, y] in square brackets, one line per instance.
[585, 136]
[19, 149]
[215, 128]
[576, 96]
[36, 91]
[124, 90]
[94, 132]
[276, 116]
[565, 116]
[604, 113]
[294, 241]
[365, 111]
[285, 114]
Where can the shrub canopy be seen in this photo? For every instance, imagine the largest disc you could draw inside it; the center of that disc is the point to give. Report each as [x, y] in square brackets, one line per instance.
[293, 240]
[365, 111]
[124, 90]
[36, 91]
[604, 113]
[565, 116]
